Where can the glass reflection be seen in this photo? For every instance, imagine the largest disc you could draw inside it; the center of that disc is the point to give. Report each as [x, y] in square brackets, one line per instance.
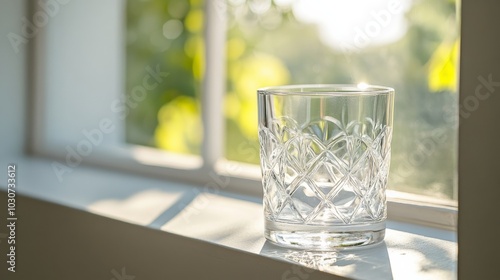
[349, 263]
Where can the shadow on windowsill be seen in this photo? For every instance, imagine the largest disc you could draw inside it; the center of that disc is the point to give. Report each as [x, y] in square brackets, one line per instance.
[350, 263]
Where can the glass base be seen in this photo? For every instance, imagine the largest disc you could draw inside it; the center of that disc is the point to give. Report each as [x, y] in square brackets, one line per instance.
[324, 237]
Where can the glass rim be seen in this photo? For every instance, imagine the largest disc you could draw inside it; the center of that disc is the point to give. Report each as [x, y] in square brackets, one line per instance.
[326, 90]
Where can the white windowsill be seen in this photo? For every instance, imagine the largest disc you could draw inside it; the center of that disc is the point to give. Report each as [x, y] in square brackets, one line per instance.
[409, 251]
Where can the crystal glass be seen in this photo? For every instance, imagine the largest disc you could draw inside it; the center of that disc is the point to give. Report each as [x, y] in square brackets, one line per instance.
[325, 154]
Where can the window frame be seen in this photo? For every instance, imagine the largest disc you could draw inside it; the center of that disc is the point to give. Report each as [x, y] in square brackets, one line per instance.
[210, 170]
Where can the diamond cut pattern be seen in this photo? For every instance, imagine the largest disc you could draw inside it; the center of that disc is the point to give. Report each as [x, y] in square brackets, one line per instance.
[325, 173]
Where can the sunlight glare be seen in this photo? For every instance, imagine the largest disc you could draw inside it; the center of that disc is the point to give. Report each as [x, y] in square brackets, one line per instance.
[354, 25]
[362, 85]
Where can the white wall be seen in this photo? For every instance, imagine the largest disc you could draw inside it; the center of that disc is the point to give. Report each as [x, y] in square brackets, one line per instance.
[12, 80]
[81, 67]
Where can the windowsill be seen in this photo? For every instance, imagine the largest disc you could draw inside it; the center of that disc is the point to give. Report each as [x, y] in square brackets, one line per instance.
[230, 220]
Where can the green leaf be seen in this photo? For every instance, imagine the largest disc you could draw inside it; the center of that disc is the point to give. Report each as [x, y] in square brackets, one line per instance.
[443, 65]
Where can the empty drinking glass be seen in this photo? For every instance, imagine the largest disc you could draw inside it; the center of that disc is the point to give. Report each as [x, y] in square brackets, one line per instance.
[325, 154]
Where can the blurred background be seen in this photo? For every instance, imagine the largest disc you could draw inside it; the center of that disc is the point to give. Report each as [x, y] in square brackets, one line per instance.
[410, 45]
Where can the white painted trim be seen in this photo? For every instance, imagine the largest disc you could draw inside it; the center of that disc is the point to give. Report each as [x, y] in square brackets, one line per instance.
[425, 214]
[36, 98]
[213, 91]
[245, 179]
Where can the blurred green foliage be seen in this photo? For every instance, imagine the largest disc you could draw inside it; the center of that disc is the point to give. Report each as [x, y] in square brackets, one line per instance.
[274, 48]
[168, 34]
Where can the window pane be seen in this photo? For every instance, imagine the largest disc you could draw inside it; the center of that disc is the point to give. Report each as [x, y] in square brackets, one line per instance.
[409, 45]
[163, 74]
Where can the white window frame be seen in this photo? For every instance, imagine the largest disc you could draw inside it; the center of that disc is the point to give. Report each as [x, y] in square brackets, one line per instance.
[210, 167]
